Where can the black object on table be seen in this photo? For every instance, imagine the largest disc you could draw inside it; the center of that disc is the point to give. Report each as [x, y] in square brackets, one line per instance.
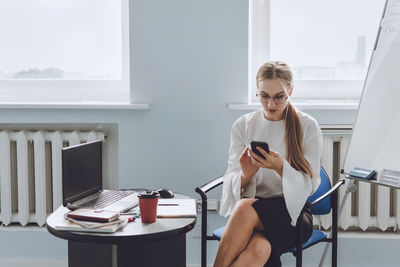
[162, 243]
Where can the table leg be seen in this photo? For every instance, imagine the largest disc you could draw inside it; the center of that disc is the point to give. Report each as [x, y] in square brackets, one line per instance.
[167, 252]
[82, 254]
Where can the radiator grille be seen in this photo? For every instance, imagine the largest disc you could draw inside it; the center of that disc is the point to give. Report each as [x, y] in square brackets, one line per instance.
[30, 173]
[371, 207]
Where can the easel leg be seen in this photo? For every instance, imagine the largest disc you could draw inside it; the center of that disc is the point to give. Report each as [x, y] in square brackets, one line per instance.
[351, 188]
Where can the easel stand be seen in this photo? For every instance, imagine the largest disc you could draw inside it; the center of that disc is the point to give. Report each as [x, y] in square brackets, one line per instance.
[351, 188]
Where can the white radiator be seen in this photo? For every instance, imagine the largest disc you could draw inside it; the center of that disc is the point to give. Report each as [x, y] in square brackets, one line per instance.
[30, 173]
[370, 207]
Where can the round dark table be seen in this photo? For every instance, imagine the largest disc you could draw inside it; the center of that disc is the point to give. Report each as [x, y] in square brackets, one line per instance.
[162, 243]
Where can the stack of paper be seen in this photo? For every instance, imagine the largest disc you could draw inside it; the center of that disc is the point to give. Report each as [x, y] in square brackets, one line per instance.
[390, 177]
[70, 224]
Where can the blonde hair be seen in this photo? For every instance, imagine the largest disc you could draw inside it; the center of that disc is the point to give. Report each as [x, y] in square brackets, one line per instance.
[293, 131]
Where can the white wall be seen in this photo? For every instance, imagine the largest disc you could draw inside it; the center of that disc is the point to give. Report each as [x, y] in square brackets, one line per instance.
[189, 60]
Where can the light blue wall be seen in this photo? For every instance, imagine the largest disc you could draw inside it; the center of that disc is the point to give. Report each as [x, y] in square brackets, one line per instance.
[189, 61]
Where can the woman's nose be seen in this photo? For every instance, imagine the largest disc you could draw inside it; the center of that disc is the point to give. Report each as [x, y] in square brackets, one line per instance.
[271, 102]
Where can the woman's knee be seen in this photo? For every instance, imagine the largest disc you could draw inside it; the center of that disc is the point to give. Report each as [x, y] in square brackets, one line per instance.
[260, 250]
[255, 255]
[244, 206]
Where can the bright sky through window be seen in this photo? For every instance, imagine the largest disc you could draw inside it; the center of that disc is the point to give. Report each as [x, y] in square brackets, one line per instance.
[62, 40]
[325, 40]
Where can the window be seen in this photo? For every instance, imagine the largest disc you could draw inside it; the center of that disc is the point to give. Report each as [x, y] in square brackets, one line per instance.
[65, 50]
[328, 44]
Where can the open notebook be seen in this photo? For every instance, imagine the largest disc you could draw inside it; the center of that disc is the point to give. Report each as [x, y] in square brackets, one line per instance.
[176, 208]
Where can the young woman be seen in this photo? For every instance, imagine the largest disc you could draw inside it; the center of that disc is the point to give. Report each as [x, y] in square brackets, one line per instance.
[265, 196]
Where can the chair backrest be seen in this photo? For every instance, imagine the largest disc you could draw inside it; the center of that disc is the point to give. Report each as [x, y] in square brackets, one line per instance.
[323, 207]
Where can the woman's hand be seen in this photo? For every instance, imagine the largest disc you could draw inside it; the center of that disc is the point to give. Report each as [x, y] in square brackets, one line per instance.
[248, 167]
[273, 160]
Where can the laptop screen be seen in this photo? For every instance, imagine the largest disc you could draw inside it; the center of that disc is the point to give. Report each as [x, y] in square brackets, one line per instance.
[81, 171]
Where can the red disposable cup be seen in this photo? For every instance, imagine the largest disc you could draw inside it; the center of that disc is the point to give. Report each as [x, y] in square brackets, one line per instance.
[148, 206]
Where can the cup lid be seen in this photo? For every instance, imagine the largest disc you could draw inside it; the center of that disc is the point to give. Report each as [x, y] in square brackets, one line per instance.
[149, 194]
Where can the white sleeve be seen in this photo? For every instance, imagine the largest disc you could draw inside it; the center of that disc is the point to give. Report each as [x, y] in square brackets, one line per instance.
[297, 187]
[231, 191]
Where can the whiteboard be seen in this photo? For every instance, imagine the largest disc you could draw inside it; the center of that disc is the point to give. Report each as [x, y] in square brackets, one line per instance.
[375, 142]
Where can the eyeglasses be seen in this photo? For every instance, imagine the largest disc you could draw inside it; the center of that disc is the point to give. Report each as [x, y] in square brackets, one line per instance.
[265, 98]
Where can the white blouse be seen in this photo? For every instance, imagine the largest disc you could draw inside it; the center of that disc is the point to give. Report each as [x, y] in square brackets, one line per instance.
[294, 186]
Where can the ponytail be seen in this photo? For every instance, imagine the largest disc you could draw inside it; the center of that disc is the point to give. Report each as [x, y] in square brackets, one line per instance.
[294, 142]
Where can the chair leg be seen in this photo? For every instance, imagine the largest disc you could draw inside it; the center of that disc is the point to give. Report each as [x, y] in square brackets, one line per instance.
[204, 234]
[299, 241]
[334, 254]
[334, 249]
[334, 228]
[299, 258]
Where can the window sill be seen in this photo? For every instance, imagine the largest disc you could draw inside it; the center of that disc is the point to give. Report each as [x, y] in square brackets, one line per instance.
[72, 105]
[306, 105]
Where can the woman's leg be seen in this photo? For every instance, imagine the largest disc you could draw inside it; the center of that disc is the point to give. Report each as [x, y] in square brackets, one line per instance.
[238, 231]
[256, 253]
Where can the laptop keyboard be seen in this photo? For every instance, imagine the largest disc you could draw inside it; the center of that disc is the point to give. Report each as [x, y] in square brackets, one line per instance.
[107, 198]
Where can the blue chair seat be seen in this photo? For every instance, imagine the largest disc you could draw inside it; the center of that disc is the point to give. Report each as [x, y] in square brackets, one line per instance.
[218, 233]
[316, 236]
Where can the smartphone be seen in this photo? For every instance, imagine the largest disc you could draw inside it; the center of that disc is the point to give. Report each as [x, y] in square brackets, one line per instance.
[263, 145]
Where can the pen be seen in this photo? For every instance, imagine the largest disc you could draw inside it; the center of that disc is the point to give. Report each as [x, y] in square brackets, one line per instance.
[166, 204]
[130, 213]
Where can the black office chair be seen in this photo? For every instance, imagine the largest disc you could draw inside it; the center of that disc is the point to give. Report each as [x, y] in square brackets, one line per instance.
[321, 202]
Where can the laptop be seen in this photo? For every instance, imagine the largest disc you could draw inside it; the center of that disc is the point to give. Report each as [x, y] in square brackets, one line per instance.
[82, 181]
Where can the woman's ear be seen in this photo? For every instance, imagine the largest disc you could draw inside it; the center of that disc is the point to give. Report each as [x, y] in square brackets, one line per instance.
[291, 90]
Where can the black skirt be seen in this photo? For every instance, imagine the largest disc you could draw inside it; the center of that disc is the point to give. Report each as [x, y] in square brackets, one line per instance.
[281, 234]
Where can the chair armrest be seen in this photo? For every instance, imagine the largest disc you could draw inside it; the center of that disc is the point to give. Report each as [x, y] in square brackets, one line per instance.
[332, 190]
[202, 190]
